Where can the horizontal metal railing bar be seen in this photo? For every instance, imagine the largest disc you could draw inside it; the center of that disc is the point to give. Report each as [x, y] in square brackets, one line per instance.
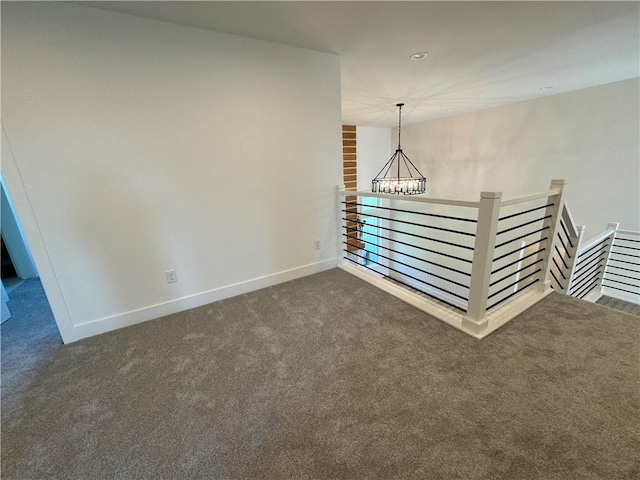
[593, 278]
[589, 289]
[523, 225]
[597, 253]
[517, 261]
[588, 264]
[559, 269]
[628, 239]
[514, 283]
[622, 268]
[564, 245]
[578, 278]
[560, 255]
[519, 249]
[585, 279]
[529, 198]
[466, 260]
[422, 237]
[620, 275]
[557, 281]
[471, 220]
[622, 283]
[595, 243]
[521, 237]
[569, 222]
[411, 276]
[525, 211]
[564, 228]
[413, 198]
[512, 294]
[625, 254]
[415, 224]
[495, 282]
[624, 246]
[622, 289]
[411, 266]
[407, 285]
[624, 261]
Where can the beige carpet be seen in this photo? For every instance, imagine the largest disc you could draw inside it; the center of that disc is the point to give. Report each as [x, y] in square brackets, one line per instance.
[324, 377]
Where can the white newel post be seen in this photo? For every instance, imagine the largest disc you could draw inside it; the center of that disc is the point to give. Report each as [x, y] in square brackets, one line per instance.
[488, 214]
[553, 223]
[573, 261]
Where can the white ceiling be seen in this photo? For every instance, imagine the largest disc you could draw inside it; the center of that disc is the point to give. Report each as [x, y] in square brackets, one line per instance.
[481, 54]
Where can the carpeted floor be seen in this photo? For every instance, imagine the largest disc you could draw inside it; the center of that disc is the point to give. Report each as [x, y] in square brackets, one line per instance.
[324, 377]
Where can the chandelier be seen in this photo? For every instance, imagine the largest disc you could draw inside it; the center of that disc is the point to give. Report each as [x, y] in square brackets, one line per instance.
[407, 180]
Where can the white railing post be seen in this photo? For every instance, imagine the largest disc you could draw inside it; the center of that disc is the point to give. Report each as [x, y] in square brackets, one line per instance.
[488, 214]
[555, 211]
[573, 262]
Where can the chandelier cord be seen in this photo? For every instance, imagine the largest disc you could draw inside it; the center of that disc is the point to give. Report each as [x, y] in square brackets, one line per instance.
[399, 122]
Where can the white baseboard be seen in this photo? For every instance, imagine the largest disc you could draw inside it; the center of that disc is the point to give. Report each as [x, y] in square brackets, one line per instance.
[447, 315]
[151, 312]
[431, 291]
[494, 319]
[592, 296]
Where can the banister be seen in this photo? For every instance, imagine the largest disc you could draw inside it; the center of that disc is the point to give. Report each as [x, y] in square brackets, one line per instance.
[413, 198]
[528, 198]
[597, 239]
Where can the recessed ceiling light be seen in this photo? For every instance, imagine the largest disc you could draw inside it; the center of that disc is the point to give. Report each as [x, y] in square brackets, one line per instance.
[545, 88]
[419, 56]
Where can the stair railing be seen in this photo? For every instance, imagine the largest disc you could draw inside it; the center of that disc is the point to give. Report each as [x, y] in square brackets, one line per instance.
[472, 264]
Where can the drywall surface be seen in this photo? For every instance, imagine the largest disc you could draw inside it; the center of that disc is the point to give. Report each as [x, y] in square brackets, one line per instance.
[374, 150]
[140, 146]
[588, 137]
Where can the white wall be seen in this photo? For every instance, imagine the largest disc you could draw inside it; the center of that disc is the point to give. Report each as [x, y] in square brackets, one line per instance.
[588, 137]
[132, 146]
[374, 150]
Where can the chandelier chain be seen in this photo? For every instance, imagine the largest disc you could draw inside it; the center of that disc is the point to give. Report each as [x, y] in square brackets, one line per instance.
[399, 122]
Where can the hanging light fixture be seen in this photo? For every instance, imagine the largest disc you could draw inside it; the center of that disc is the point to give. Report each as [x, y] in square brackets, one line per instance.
[407, 180]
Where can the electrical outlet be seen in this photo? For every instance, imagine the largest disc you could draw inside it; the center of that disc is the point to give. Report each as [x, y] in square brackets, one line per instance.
[172, 276]
[317, 244]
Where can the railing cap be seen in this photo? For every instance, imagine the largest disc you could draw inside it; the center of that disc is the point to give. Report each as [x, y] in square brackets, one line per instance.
[490, 194]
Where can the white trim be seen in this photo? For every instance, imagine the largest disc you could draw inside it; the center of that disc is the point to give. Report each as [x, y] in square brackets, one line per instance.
[113, 322]
[529, 198]
[35, 239]
[595, 240]
[512, 308]
[627, 297]
[441, 313]
[412, 198]
[494, 319]
[592, 296]
[431, 291]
